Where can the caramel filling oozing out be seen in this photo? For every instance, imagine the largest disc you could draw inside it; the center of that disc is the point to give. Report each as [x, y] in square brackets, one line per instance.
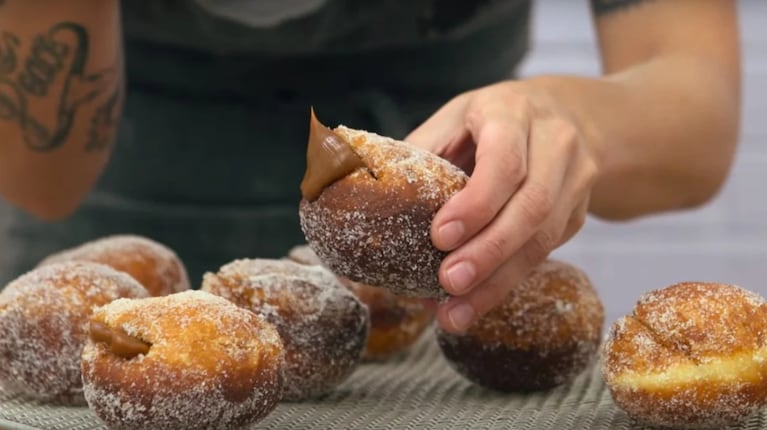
[119, 342]
[328, 158]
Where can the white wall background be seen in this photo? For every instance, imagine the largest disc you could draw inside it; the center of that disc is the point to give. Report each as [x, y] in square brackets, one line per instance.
[727, 240]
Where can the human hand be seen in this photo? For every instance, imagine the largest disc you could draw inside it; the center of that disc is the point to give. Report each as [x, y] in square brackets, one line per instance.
[531, 172]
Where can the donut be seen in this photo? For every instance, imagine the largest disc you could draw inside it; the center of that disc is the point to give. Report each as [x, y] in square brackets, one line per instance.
[189, 360]
[545, 333]
[43, 325]
[691, 355]
[367, 206]
[153, 264]
[396, 322]
[323, 326]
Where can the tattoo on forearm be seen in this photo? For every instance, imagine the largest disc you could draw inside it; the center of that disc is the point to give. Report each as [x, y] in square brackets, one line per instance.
[58, 56]
[601, 7]
[104, 122]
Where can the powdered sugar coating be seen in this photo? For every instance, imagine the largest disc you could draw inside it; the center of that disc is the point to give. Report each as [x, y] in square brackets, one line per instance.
[544, 334]
[373, 226]
[43, 318]
[322, 324]
[396, 322]
[690, 356]
[211, 365]
[157, 267]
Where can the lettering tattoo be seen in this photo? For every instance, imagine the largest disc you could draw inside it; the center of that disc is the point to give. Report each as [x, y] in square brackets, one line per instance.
[56, 61]
[601, 7]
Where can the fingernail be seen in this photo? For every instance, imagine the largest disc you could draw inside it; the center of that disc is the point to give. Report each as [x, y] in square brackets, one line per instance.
[451, 233]
[461, 316]
[460, 276]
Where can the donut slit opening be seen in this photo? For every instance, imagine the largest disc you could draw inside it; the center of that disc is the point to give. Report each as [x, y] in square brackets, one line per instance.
[666, 343]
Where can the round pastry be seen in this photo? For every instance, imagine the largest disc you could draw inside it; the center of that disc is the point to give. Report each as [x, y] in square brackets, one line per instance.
[367, 207]
[189, 360]
[396, 322]
[322, 325]
[154, 265]
[691, 355]
[544, 334]
[43, 326]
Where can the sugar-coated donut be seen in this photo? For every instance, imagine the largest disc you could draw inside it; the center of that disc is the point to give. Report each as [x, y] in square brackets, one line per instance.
[692, 355]
[154, 265]
[43, 326]
[396, 322]
[197, 362]
[544, 334]
[373, 225]
[322, 324]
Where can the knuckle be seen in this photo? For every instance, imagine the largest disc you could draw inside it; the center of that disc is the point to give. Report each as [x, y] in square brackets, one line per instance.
[537, 203]
[496, 249]
[566, 135]
[577, 221]
[539, 248]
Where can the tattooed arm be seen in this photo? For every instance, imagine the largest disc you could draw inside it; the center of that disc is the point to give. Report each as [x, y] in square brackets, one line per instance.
[60, 100]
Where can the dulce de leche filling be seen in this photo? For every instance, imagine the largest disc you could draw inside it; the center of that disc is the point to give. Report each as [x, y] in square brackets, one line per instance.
[119, 342]
[328, 158]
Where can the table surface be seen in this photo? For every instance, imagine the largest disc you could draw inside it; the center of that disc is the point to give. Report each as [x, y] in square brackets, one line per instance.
[418, 390]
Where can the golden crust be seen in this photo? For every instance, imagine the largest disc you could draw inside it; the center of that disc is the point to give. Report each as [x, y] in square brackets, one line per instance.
[396, 322]
[153, 265]
[322, 324]
[690, 356]
[206, 356]
[373, 226]
[544, 334]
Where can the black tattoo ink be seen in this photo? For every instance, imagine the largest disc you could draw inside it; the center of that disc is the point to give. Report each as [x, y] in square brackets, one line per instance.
[8, 46]
[104, 122]
[601, 7]
[45, 64]
[45, 61]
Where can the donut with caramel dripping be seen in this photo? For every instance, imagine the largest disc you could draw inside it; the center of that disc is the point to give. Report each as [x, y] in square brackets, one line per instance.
[370, 222]
[190, 360]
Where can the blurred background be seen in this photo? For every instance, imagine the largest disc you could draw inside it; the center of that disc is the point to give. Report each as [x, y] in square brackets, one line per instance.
[724, 242]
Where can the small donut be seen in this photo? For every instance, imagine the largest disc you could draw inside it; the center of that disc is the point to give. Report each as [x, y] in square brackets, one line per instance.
[691, 355]
[370, 221]
[322, 324]
[189, 360]
[153, 264]
[43, 325]
[396, 322]
[544, 334]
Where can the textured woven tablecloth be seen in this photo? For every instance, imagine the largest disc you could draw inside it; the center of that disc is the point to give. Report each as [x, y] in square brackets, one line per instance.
[416, 391]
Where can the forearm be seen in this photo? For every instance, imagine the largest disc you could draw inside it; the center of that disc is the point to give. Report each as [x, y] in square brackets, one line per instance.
[60, 100]
[663, 132]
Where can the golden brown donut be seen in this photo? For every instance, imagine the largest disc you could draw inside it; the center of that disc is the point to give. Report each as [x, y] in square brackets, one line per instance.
[43, 323]
[153, 264]
[396, 322]
[322, 324]
[373, 225]
[197, 362]
[692, 355]
[544, 334]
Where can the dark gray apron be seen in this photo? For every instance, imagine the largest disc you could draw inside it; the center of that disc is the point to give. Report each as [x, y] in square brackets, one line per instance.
[211, 148]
